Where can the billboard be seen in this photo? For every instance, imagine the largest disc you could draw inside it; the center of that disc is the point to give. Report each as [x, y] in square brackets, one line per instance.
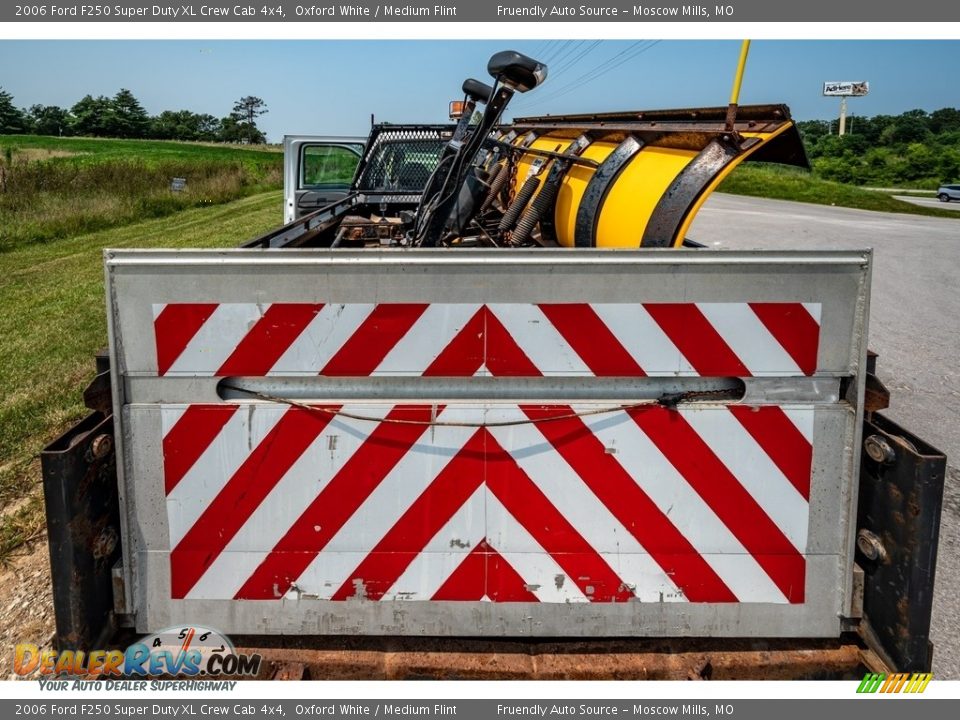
[846, 88]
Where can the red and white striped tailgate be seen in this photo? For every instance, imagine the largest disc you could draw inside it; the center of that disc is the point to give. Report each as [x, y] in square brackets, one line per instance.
[422, 460]
[702, 505]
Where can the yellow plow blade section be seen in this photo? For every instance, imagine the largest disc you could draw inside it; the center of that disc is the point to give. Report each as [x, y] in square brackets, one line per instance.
[644, 175]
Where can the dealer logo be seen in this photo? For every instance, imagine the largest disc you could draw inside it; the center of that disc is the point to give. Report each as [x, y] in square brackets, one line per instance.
[191, 651]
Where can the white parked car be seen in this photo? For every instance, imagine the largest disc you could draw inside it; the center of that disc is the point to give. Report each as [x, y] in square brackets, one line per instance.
[946, 193]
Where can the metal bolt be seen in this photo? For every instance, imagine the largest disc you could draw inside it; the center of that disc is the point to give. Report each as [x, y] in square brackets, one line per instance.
[101, 446]
[879, 449]
[871, 546]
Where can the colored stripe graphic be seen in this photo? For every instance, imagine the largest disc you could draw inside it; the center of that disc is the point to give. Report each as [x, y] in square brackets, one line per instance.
[713, 339]
[173, 329]
[456, 512]
[192, 434]
[911, 683]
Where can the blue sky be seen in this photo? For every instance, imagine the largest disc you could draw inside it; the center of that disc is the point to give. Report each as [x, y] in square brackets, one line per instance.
[331, 87]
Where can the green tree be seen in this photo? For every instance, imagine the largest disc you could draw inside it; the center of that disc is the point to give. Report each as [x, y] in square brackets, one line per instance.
[185, 125]
[920, 161]
[944, 120]
[93, 116]
[908, 128]
[11, 118]
[50, 120]
[129, 119]
[243, 125]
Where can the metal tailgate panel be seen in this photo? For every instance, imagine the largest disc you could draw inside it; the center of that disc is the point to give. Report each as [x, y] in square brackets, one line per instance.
[467, 455]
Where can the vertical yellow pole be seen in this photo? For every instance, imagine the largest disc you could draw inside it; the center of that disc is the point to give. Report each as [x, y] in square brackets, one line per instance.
[738, 78]
[737, 83]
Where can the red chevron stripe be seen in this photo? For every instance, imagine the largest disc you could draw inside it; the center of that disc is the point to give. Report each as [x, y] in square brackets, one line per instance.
[384, 565]
[553, 532]
[335, 504]
[469, 580]
[631, 506]
[269, 339]
[592, 340]
[718, 487]
[504, 583]
[696, 339]
[463, 356]
[175, 327]
[242, 494]
[483, 339]
[781, 441]
[189, 438]
[795, 329]
[376, 336]
[485, 572]
[504, 357]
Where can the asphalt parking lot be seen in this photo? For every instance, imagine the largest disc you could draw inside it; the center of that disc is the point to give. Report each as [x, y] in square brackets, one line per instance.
[914, 326]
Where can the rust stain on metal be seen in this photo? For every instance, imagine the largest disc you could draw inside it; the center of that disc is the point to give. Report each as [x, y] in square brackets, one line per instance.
[291, 671]
[357, 658]
[876, 396]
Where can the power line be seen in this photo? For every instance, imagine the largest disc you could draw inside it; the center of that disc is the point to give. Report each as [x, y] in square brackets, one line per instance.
[626, 55]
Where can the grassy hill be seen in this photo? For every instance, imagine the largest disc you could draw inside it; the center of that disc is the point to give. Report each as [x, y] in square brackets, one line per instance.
[47, 344]
[56, 188]
[789, 183]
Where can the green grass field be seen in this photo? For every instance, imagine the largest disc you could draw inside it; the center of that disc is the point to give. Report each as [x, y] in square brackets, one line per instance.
[54, 323]
[787, 183]
[56, 188]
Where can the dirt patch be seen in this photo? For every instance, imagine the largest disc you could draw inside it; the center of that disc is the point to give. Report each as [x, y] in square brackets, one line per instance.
[30, 154]
[26, 603]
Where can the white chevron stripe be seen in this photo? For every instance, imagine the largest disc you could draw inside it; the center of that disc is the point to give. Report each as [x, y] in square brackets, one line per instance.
[242, 433]
[326, 333]
[802, 418]
[216, 339]
[539, 339]
[695, 520]
[444, 552]
[169, 416]
[754, 469]
[575, 502]
[814, 309]
[305, 479]
[544, 577]
[749, 339]
[388, 502]
[430, 335]
[644, 339]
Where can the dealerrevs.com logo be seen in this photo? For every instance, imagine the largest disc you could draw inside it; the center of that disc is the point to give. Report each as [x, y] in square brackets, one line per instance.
[189, 652]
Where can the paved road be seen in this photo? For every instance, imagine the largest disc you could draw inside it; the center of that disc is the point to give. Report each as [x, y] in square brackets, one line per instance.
[914, 326]
[930, 202]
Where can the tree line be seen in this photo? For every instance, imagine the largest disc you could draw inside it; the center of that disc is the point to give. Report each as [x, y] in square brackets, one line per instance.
[916, 148]
[122, 116]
